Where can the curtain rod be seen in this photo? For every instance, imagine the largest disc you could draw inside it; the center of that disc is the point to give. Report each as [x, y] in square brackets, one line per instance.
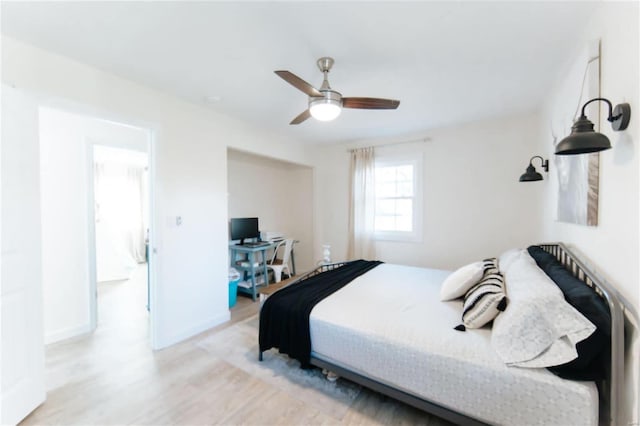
[421, 140]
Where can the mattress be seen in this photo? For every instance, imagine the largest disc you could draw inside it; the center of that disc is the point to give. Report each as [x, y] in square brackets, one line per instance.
[390, 325]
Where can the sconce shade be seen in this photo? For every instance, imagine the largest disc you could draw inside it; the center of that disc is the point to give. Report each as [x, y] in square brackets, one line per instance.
[531, 175]
[583, 139]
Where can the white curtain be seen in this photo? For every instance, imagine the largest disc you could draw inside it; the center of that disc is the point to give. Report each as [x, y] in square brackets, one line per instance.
[120, 220]
[362, 205]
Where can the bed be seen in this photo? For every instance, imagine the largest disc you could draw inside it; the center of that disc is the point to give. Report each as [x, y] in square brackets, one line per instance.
[388, 330]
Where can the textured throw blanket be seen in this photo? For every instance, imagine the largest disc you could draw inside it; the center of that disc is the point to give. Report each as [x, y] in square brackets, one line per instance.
[284, 317]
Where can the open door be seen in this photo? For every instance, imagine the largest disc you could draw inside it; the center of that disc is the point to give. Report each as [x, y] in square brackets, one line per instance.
[22, 388]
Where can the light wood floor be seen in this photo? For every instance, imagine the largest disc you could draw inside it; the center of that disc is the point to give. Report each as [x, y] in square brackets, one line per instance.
[111, 377]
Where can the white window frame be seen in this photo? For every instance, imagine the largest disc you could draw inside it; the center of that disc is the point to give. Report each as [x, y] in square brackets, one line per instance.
[418, 176]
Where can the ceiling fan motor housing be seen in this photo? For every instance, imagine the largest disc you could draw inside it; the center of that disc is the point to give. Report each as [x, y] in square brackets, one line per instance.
[329, 96]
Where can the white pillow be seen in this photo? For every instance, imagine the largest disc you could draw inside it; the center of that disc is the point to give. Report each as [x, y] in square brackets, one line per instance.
[507, 258]
[461, 280]
[538, 328]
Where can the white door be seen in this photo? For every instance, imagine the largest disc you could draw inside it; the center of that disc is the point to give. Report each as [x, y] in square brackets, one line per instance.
[22, 372]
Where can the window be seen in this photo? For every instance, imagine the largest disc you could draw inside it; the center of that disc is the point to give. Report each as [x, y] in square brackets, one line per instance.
[398, 201]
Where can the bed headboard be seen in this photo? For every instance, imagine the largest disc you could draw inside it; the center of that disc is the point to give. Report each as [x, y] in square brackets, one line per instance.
[322, 267]
[612, 387]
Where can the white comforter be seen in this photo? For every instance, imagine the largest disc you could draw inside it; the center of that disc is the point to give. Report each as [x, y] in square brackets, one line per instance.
[390, 326]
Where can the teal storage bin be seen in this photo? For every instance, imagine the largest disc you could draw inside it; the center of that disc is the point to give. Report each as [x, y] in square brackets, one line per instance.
[234, 279]
[233, 292]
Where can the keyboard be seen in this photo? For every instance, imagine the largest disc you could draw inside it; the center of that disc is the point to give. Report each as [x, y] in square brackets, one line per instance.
[260, 244]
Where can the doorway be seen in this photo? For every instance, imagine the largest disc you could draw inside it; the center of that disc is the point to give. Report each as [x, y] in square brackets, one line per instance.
[121, 239]
[74, 250]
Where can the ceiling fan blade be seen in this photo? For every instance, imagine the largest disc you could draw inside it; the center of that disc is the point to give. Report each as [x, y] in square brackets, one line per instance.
[300, 118]
[370, 103]
[298, 83]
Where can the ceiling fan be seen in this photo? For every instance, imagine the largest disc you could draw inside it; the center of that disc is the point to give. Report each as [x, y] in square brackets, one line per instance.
[325, 104]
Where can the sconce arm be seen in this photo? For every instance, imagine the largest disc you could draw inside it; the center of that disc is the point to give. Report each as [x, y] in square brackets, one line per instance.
[611, 118]
[543, 163]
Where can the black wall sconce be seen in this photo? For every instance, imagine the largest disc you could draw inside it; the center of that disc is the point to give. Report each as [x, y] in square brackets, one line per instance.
[584, 140]
[531, 175]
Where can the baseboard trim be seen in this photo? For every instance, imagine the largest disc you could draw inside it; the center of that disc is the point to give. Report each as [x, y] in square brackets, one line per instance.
[67, 333]
[162, 343]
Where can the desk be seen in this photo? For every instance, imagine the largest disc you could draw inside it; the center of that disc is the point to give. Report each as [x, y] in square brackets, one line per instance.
[251, 265]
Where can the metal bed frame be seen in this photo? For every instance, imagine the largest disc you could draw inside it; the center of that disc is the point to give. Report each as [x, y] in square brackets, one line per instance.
[610, 389]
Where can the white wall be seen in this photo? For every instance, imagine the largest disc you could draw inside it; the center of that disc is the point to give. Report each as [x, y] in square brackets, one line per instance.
[613, 245]
[189, 147]
[279, 194]
[66, 141]
[474, 206]
[619, 213]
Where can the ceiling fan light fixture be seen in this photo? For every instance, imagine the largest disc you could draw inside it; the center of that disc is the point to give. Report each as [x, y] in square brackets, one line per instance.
[325, 109]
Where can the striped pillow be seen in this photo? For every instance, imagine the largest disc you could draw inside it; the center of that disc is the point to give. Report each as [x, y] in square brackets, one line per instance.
[489, 265]
[485, 300]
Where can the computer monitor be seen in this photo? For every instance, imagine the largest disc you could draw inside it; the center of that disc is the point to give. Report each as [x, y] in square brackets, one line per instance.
[244, 227]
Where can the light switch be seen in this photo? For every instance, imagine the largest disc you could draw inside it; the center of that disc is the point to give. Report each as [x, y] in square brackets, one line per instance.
[174, 221]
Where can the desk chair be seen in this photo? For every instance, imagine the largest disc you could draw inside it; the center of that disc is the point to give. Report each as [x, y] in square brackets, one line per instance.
[279, 265]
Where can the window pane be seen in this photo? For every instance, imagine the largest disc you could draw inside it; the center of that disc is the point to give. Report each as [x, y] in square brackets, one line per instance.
[394, 197]
[385, 190]
[385, 224]
[404, 189]
[405, 173]
[404, 207]
[385, 174]
[404, 223]
[404, 215]
[385, 208]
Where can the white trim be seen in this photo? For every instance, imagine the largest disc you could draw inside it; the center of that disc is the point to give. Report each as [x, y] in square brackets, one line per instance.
[151, 260]
[192, 331]
[91, 237]
[67, 333]
[415, 236]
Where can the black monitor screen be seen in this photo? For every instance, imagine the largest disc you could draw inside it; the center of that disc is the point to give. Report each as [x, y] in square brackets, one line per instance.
[244, 227]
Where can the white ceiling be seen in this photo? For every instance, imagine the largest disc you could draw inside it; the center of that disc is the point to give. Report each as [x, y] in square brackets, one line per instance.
[447, 62]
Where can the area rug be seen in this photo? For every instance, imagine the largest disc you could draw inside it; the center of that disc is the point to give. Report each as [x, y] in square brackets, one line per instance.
[238, 345]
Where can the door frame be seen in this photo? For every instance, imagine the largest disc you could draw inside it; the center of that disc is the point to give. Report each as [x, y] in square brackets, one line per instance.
[92, 259]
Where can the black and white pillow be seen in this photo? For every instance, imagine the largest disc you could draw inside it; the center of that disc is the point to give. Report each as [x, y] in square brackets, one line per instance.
[490, 265]
[485, 300]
